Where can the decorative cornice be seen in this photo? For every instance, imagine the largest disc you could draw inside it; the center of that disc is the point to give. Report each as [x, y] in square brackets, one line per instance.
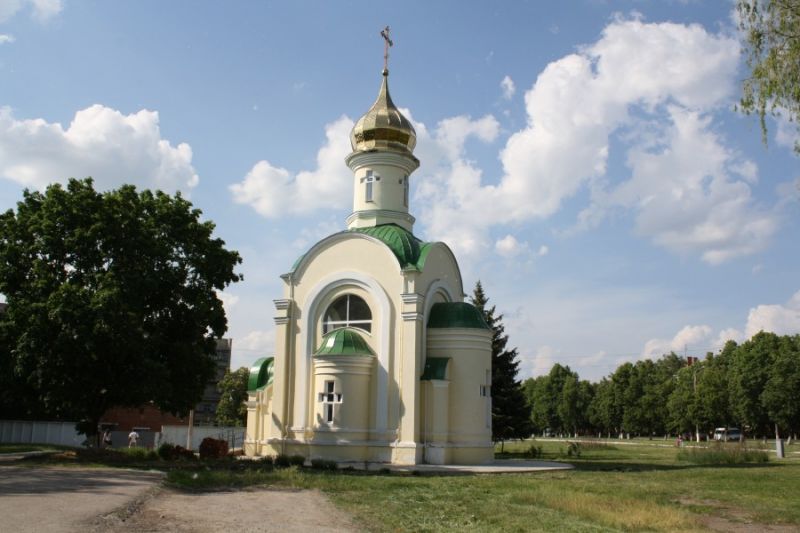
[281, 320]
[412, 298]
[374, 214]
[411, 316]
[405, 161]
[282, 304]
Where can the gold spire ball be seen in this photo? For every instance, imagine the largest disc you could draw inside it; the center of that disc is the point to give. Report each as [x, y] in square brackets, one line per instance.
[383, 126]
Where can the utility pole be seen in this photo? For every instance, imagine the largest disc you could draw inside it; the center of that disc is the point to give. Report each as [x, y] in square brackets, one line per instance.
[189, 430]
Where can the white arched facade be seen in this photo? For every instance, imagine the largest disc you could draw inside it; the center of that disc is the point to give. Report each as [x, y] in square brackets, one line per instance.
[306, 345]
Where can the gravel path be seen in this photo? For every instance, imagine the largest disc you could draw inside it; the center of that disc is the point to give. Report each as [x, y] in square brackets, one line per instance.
[101, 500]
[265, 510]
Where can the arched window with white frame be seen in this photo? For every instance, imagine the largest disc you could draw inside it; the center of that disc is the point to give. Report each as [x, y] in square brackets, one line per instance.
[347, 310]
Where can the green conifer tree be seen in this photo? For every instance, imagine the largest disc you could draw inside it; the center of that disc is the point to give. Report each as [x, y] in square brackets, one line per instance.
[511, 413]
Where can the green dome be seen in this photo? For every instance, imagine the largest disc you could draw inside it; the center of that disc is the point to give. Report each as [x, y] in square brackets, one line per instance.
[456, 315]
[409, 250]
[343, 341]
[260, 374]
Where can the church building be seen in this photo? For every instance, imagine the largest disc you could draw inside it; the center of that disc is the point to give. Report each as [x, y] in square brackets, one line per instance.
[377, 356]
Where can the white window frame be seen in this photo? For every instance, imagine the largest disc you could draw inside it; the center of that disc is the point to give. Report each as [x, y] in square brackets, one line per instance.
[330, 325]
[329, 398]
[369, 180]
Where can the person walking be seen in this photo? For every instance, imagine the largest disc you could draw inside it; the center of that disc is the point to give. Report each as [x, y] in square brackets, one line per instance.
[133, 439]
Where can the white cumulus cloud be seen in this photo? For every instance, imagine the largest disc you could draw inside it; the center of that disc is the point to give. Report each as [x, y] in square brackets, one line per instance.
[41, 10]
[654, 87]
[508, 87]
[688, 338]
[509, 246]
[274, 191]
[691, 204]
[779, 319]
[100, 142]
[6, 38]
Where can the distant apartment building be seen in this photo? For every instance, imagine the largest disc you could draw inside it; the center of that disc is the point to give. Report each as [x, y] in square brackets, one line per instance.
[205, 412]
[148, 418]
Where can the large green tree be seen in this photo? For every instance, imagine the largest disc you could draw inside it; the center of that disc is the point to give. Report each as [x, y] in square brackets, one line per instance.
[231, 409]
[510, 410]
[771, 31]
[781, 394]
[749, 373]
[111, 299]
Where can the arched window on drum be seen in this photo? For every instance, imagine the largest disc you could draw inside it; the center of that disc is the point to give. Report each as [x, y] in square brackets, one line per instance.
[347, 311]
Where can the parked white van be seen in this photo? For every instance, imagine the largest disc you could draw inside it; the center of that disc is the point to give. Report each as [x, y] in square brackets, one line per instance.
[727, 434]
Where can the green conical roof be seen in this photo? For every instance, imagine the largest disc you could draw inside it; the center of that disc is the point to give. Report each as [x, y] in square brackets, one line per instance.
[344, 341]
[456, 315]
[408, 249]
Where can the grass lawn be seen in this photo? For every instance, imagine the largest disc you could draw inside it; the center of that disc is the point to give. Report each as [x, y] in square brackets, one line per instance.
[24, 448]
[622, 486]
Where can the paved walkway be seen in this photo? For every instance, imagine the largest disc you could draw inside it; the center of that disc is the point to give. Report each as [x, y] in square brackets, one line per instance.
[62, 499]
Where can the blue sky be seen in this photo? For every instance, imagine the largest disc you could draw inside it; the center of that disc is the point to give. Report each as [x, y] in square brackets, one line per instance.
[582, 160]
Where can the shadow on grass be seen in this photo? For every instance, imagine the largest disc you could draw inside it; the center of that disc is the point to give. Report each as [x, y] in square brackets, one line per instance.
[607, 466]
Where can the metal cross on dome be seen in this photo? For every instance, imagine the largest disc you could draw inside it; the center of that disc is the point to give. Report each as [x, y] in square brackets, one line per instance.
[387, 43]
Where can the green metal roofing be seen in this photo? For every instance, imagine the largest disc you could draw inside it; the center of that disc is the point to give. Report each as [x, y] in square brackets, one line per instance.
[435, 368]
[409, 250]
[343, 341]
[261, 374]
[456, 315]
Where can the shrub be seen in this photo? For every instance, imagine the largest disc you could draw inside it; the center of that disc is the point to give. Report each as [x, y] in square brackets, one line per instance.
[172, 452]
[212, 448]
[533, 451]
[721, 454]
[264, 463]
[324, 464]
[116, 455]
[297, 460]
[573, 449]
[282, 461]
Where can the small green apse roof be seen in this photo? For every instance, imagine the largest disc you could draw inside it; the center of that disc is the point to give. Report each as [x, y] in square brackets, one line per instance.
[409, 250]
[456, 315]
[260, 374]
[435, 368]
[343, 341]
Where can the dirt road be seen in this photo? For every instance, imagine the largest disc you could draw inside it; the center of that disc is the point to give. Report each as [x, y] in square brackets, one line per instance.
[102, 500]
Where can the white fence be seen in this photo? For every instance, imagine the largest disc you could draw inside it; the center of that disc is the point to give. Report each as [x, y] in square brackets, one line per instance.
[177, 435]
[64, 434]
[30, 432]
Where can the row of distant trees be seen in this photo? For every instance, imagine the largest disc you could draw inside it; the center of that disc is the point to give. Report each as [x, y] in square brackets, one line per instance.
[754, 385]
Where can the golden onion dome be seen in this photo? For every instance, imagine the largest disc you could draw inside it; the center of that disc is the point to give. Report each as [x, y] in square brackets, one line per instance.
[383, 126]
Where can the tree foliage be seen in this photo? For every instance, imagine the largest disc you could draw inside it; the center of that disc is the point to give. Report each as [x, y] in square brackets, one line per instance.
[754, 385]
[231, 410]
[111, 299]
[510, 410]
[772, 45]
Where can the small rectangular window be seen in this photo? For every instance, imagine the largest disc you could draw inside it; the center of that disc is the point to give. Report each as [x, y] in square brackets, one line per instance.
[405, 191]
[369, 179]
[368, 192]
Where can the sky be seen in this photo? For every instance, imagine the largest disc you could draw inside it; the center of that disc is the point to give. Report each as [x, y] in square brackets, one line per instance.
[583, 160]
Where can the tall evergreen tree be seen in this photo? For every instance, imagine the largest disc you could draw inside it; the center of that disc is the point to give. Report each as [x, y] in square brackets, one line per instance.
[511, 413]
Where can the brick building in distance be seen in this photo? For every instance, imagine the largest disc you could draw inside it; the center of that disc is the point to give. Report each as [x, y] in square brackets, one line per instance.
[148, 418]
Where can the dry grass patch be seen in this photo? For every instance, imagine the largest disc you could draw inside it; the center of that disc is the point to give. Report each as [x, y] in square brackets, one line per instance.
[626, 513]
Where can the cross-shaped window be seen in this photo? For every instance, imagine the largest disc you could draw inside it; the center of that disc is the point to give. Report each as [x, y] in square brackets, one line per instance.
[369, 179]
[328, 399]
